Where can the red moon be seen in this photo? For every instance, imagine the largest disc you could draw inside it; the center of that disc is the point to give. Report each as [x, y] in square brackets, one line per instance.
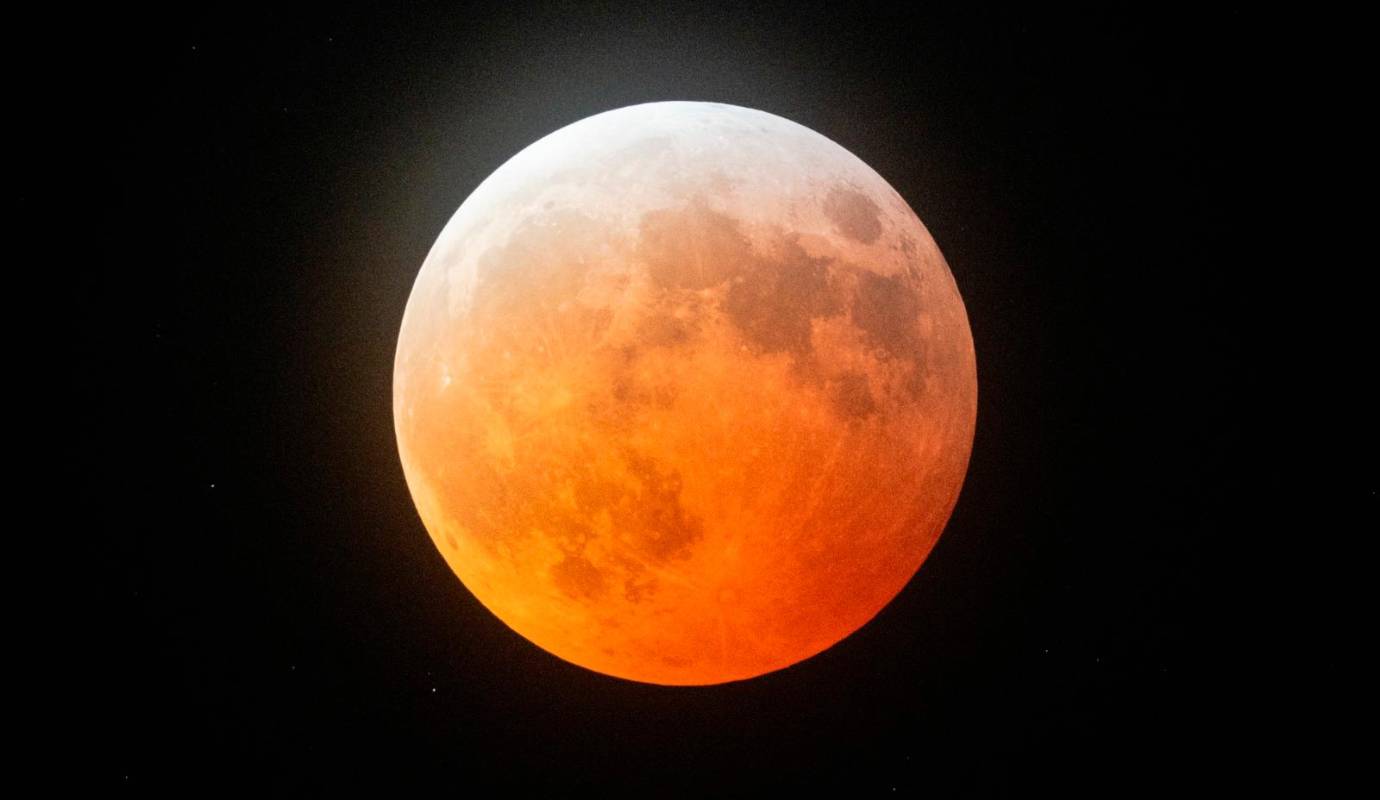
[684, 393]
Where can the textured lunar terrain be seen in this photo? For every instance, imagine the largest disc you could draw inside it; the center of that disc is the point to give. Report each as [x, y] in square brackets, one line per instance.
[684, 393]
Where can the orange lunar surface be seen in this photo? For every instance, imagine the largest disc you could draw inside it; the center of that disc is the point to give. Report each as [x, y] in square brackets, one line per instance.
[684, 393]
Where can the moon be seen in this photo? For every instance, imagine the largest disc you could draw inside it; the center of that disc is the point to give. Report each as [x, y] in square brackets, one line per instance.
[684, 393]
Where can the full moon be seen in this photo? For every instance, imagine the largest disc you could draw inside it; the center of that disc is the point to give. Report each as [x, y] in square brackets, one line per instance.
[684, 393]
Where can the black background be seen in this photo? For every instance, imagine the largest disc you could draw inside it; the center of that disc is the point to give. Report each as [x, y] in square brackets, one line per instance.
[274, 613]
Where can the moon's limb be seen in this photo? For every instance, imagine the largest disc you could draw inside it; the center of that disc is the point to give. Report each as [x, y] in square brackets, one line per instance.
[684, 393]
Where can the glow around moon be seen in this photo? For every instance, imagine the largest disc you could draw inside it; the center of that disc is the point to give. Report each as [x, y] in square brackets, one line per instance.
[684, 393]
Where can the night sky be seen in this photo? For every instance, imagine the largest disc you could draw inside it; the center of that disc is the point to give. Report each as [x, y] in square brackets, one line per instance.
[275, 615]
